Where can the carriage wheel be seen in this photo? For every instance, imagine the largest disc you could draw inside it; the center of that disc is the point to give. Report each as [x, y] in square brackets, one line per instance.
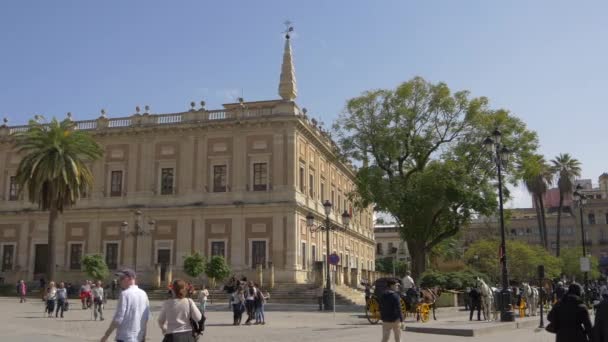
[403, 307]
[424, 312]
[372, 311]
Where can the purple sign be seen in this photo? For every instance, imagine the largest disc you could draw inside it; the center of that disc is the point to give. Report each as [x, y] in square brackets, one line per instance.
[334, 259]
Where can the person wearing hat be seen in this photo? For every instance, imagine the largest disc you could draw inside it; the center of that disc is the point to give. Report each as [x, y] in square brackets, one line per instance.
[132, 311]
[569, 317]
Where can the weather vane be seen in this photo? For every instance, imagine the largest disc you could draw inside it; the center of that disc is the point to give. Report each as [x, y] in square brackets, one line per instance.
[288, 28]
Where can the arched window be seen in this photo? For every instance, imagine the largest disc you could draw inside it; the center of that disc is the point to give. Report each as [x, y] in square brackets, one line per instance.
[591, 218]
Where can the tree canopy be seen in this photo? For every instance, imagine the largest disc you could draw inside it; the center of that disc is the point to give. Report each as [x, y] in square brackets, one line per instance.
[422, 158]
[54, 170]
[194, 265]
[571, 266]
[95, 266]
[483, 256]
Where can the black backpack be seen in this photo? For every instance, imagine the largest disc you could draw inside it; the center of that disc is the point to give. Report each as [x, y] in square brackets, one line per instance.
[197, 327]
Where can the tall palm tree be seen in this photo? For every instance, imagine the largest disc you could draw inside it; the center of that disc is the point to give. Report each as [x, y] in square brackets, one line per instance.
[537, 177]
[566, 169]
[53, 170]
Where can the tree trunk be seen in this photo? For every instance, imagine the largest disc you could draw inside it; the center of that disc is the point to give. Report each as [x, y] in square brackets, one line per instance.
[541, 234]
[418, 255]
[52, 249]
[558, 228]
[544, 219]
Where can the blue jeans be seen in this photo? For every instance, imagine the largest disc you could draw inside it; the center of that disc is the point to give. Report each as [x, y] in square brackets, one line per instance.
[259, 313]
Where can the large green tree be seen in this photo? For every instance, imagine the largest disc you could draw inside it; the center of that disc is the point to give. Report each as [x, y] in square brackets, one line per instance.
[422, 158]
[566, 169]
[571, 266]
[537, 177]
[53, 170]
[95, 266]
[483, 257]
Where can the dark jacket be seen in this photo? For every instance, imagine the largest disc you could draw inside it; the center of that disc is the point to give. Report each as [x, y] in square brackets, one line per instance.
[390, 307]
[600, 329]
[571, 319]
[475, 296]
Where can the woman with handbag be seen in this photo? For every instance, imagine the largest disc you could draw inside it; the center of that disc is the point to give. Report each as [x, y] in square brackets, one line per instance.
[176, 315]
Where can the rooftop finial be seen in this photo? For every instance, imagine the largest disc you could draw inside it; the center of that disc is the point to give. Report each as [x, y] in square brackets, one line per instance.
[287, 83]
[147, 109]
[5, 120]
[137, 109]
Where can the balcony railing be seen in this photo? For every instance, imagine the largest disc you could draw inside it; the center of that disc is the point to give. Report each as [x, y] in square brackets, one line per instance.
[159, 119]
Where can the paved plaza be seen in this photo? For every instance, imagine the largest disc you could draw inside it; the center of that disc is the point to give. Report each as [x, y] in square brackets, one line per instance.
[26, 322]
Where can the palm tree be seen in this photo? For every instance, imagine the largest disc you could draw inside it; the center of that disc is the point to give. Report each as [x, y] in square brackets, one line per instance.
[566, 169]
[53, 170]
[537, 177]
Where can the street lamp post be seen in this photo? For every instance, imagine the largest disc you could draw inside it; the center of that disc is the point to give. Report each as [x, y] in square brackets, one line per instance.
[139, 230]
[328, 303]
[493, 144]
[581, 200]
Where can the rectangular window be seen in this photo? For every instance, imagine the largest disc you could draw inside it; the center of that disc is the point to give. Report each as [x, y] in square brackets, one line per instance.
[13, 190]
[311, 184]
[337, 205]
[116, 184]
[379, 248]
[591, 218]
[166, 181]
[260, 177]
[314, 253]
[218, 248]
[333, 200]
[8, 253]
[75, 256]
[112, 255]
[304, 261]
[220, 178]
[258, 253]
[301, 178]
[322, 193]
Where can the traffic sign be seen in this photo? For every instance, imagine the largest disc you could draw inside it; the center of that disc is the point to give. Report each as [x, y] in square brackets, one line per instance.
[334, 259]
[585, 264]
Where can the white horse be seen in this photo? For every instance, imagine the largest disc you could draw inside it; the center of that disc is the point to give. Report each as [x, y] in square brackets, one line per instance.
[531, 295]
[487, 298]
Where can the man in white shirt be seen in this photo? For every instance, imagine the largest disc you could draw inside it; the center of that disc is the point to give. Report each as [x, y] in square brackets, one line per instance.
[132, 311]
[407, 282]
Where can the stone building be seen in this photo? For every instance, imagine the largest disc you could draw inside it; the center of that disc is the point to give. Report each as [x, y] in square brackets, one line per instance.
[237, 182]
[522, 224]
[389, 243]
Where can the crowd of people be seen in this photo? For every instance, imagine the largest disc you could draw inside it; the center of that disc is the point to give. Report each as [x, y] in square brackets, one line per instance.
[246, 296]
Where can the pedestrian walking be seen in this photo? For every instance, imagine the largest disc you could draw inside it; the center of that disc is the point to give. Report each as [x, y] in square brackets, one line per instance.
[475, 303]
[62, 297]
[250, 295]
[98, 297]
[176, 313]
[203, 295]
[85, 294]
[114, 288]
[390, 312]
[51, 297]
[43, 288]
[569, 317]
[260, 301]
[319, 294]
[21, 291]
[600, 328]
[132, 311]
[237, 300]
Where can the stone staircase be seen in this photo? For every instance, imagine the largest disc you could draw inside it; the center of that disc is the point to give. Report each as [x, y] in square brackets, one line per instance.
[353, 296]
[282, 294]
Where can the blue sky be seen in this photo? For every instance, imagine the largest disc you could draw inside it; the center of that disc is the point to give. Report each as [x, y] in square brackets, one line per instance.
[543, 60]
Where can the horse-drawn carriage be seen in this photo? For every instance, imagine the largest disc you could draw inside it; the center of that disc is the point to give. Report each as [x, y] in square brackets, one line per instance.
[411, 303]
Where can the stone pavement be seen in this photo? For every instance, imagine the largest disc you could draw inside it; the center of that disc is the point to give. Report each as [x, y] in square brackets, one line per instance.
[25, 323]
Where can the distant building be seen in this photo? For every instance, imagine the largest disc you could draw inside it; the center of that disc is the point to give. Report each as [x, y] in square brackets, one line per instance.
[389, 243]
[522, 223]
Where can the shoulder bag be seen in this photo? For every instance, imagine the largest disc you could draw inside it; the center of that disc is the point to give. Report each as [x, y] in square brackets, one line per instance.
[198, 327]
